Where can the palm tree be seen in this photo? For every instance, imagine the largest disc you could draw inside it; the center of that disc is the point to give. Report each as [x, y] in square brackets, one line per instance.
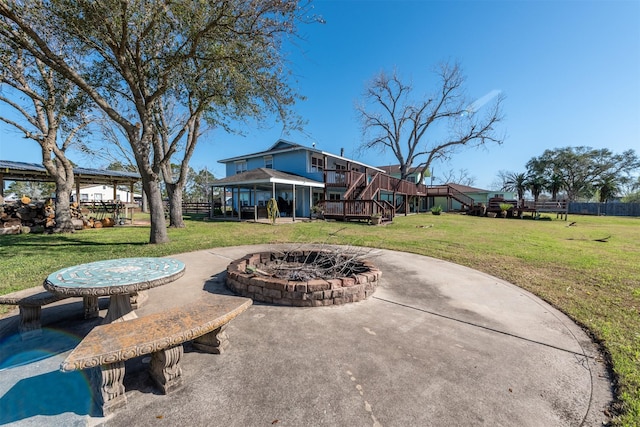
[608, 188]
[517, 182]
[536, 185]
[554, 185]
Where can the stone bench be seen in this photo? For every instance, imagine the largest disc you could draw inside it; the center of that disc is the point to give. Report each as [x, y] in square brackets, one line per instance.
[30, 302]
[106, 347]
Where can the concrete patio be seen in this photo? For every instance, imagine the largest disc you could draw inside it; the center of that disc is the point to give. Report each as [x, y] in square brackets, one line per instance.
[436, 345]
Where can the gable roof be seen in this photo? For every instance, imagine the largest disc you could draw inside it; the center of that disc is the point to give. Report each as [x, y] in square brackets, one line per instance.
[283, 146]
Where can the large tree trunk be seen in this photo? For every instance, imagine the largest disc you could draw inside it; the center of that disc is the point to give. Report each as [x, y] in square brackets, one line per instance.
[61, 169]
[63, 211]
[158, 233]
[175, 205]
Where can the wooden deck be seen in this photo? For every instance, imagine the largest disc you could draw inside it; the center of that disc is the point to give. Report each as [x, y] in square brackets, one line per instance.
[560, 208]
[362, 191]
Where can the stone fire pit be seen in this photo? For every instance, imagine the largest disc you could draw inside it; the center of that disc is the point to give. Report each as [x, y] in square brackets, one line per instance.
[292, 278]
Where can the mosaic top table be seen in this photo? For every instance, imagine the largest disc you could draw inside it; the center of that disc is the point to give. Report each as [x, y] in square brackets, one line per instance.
[116, 278]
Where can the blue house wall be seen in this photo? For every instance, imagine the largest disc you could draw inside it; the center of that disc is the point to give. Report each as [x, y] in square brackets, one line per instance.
[296, 162]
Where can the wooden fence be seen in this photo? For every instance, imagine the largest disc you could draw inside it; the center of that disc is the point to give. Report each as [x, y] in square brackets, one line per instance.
[611, 208]
[196, 207]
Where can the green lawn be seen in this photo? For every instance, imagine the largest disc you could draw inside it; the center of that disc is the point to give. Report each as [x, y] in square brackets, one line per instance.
[590, 270]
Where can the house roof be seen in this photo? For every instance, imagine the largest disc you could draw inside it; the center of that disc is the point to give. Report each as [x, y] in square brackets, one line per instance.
[264, 176]
[20, 171]
[280, 146]
[467, 189]
[390, 169]
[283, 146]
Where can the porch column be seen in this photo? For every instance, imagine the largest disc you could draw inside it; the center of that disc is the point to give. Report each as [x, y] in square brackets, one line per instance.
[239, 204]
[310, 200]
[78, 191]
[1, 185]
[255, 204]
[211, 205]
[224, 201]
[114, 191]
[273, 191]
[293, 213]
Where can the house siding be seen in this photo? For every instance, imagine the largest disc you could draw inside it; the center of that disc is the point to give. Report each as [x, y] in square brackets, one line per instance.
[294, 162]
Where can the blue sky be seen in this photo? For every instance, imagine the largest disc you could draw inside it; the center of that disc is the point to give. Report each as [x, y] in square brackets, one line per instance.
[570, 72]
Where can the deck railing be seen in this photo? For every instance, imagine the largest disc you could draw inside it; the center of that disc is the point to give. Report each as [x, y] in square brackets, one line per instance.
[359, 182]
[382, 181]
[460, 196]
[352, 181]
[341, 177]
[356, 209]
[547, 205]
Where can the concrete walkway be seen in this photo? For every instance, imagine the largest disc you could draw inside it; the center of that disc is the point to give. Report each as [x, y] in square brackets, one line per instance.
[436, 345]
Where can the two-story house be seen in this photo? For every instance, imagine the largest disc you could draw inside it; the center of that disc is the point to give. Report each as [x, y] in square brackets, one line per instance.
[291, 173]
[301, 177]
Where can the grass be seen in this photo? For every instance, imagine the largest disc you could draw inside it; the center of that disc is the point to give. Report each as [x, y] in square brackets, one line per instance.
[590, 270]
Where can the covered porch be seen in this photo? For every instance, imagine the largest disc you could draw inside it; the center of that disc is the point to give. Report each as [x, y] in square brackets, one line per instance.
[251, 191]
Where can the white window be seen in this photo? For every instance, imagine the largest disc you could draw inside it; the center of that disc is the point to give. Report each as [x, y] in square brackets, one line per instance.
[317, 164]
[241, 166]
[268, 162]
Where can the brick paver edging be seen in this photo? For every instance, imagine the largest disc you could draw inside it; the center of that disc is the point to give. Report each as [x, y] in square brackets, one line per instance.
[312, 293]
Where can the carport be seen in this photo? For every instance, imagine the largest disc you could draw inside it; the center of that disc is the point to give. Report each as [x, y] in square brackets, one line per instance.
[19, 171]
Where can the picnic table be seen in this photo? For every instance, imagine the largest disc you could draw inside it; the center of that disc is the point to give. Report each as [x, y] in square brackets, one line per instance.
[116, 278]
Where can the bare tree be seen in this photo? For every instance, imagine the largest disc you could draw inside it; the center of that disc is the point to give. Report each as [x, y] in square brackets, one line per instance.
[392, 120]
[461, 177]
[47, 111]
[134, 56]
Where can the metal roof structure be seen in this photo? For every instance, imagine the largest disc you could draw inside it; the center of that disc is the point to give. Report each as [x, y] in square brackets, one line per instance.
[20, 171]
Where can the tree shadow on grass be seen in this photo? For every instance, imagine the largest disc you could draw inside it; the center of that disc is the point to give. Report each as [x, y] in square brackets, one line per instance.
[61, 240]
